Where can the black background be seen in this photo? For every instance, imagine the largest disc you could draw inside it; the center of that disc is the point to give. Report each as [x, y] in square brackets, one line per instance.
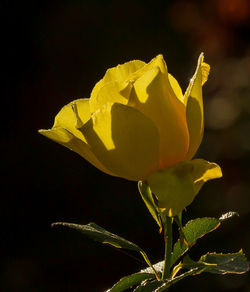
[55, 51]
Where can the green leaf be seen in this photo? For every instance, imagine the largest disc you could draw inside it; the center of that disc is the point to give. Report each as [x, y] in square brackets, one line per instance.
[148, 286]
[234, 263]
[167, 283]
[99, 234]
[196, 229]
[228, 215]
[231, 263]
[148, 199]
[163, 285]
[193, 230]
[130, 281]
[219, 263]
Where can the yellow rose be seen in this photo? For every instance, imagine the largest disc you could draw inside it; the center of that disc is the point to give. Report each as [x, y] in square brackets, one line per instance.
[138, 125]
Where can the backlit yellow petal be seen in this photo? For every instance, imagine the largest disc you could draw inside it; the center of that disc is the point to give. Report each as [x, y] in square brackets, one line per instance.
[119, 73]
[124, 140]
[158, 61]
[176, 187]
[65, 138]
[136, 122]
[203, 172]
[153, 95]
[205, 69]
[176, 87]
[66, 118]
[112, 92]
[194, 106]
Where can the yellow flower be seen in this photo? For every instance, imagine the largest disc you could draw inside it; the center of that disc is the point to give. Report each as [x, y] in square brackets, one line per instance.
[138, 125]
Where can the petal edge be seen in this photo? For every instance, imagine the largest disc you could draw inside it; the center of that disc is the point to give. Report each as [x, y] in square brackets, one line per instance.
[176, 187]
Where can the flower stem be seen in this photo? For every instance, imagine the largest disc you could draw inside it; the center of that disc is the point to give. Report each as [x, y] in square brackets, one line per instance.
[168, 238]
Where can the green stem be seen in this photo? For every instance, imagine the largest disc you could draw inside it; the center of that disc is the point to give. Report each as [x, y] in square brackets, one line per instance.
[168, 238]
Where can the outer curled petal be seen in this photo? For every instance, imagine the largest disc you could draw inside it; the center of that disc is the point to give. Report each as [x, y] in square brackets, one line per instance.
[124, 140]
[65, 138]
[119, 73]
[66, 117]
[176, 87]
[194, 106]
[112, 92]
[153, 95]
[176, 187]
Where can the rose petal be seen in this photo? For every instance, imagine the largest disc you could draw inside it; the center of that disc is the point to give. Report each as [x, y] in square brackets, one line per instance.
[194, 106]
[176, 187]
[112, 92]
[65, 138]
[124, 140]
[153, 95]
[66, 118]
[119, 73]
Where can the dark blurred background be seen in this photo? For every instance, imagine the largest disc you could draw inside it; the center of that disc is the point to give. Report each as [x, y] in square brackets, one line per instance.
[55, 52]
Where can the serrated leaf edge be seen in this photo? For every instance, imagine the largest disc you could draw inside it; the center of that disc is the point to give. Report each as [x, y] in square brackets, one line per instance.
[191, 245]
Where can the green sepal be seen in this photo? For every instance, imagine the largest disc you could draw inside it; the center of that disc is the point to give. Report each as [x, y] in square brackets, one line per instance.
[149, 201]
[178, 220]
